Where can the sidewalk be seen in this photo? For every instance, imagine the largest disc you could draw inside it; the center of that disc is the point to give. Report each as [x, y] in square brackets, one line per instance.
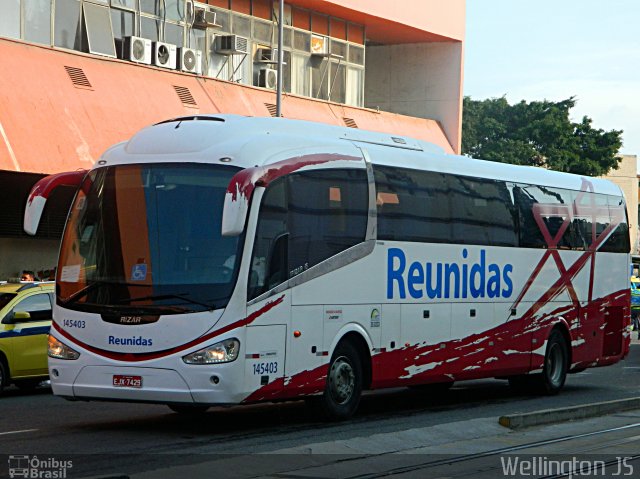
[416, 450]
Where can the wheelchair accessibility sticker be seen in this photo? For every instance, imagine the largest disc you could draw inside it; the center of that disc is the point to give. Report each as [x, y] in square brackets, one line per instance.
[139, 272]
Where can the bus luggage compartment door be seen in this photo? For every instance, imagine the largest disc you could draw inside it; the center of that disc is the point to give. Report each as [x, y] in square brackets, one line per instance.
[265, 356]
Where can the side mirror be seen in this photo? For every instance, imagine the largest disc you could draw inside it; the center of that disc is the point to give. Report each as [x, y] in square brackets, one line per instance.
[20, 316]
[237, 199]
[40, 193]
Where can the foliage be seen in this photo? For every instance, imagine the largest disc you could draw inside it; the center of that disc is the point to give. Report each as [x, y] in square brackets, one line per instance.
[539, 133]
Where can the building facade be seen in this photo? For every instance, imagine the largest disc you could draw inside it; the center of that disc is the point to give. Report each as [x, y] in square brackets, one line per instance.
[81, 75]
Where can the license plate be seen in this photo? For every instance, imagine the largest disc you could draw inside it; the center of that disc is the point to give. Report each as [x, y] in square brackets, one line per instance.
[121, 381]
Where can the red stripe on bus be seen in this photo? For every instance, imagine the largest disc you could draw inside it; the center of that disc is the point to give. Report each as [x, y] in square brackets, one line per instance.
[136, 357]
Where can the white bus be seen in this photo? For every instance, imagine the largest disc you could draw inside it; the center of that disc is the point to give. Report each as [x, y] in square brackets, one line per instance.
[226, 260]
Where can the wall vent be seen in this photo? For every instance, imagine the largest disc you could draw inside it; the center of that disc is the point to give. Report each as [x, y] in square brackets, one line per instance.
[185, 96]
[350, 122]
[273, 109]
[78, 78]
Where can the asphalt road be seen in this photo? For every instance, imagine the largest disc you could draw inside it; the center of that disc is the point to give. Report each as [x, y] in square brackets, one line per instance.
[140, 437]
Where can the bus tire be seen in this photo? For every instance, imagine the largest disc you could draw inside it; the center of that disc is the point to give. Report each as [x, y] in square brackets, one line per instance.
[343, 387]
[556, 365]
[554, 372]
[189, 409]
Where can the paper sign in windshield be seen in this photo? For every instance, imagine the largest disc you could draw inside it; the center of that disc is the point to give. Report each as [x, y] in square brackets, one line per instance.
[70, 274]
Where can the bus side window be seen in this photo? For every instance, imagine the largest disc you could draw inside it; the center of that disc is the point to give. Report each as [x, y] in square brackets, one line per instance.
[278, 262]
[306, 218]
[328, 212]
[618, 242]
[270, 244]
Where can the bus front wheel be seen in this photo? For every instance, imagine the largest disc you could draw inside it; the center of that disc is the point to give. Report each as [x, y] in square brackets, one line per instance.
[344, 383]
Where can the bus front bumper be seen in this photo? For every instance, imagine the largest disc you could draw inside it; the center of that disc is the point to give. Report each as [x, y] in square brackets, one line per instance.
[136, 384]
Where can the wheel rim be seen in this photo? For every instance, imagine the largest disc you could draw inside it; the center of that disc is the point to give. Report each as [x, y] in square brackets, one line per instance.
[342, 380]
[555, 364]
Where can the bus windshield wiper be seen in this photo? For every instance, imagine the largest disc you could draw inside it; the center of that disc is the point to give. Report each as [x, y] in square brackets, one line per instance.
[181, 296]
[81, 293]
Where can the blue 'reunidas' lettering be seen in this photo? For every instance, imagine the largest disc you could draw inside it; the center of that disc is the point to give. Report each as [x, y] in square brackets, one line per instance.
[471, 278]
[395, 274]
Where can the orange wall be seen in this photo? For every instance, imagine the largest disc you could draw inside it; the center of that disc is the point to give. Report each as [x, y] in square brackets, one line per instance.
[49, 125]
[413, 21]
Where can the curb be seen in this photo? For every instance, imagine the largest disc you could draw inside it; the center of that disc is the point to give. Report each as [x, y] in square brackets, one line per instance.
[548, 416]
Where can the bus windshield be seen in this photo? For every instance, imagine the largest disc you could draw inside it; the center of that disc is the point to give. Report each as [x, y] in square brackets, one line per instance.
[145, 239]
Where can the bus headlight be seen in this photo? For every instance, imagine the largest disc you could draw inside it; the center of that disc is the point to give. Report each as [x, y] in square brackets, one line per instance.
[222, 352]
[59, 350]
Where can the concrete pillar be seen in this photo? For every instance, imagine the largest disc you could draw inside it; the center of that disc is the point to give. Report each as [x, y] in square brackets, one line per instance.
[423, 80]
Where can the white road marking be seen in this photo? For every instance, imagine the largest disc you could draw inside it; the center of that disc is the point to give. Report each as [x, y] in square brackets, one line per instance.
[16, 432]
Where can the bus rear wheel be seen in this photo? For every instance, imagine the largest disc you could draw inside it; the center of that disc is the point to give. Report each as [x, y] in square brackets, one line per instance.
[554, 371]
[344, 384]
[556, 364]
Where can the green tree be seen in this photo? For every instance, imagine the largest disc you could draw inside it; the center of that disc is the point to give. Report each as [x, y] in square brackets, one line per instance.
[539, 133]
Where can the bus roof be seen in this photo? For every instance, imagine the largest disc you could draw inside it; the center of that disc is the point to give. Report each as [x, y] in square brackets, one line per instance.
[247, 142]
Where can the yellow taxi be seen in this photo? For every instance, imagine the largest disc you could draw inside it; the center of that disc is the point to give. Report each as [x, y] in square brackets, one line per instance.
[25, 319]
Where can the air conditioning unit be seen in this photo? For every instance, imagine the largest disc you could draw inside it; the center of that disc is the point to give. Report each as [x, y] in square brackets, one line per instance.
[137, 49]
[268, 78]
[190, 60]
[164, 55]
[232, 44]
[203, 18]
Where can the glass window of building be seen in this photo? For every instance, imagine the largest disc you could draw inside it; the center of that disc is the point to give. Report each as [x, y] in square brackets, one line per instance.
[286, 71]
[67, 32]
[174, 10]
[338, 49]
[223, 18]
[123, 23]
[151, 6]
[130, 4]
[354, 91]
[319, 78]
[300, 66]
[338, 82]
[356, 54]
[174, 34]
[301, 41]
[10, 19]
[196, 39]
[149, 28]
[265, 32]
[99, 31]
[241, 25]
[37, 21]
[287, 36]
